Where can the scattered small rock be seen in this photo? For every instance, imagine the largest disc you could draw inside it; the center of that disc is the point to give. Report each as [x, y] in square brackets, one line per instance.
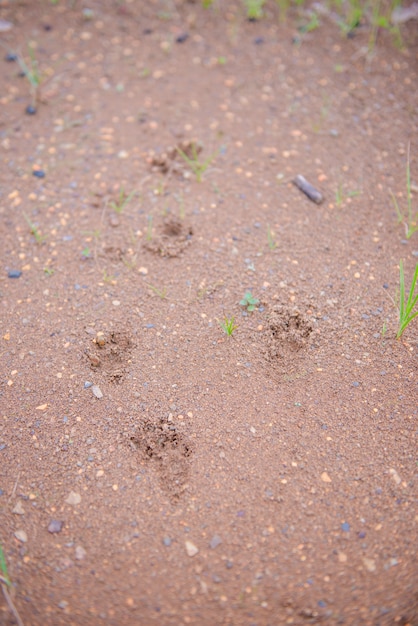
[30, 110]
[4, 27]
[14, 274]
[21, 536]
[215, 541]
[18, 509]
[182, 38]
[38, 173]
[325, 478]
[74, 498]
[167, 541]
[97, 392]
[191, 549]
[369, 564]
[80, 553]
[395, 476]
[55, 526]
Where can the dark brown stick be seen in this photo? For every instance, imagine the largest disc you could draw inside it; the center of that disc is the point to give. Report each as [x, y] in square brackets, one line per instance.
[308, 189]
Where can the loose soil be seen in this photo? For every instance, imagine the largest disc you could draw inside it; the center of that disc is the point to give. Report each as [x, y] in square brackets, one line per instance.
[154, 470]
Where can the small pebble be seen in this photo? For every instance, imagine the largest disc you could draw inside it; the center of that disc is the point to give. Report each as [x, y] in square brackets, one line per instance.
[5, 26]
[18, 508]
[38, 173]
[97, 392]
[55, 526]
[14, 274]
[167, 541]
[80, 553]
[395, 476]
[369, 564]
[30, 110]
[74, 498]
[88, 384]
[215, 541]
[258, 40]
[10, 57]
[182, 38]
[21, 536]
[191, 549]
[345, 527]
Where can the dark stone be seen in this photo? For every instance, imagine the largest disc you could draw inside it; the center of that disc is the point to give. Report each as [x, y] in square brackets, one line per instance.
[55, 526]
[182, 38]
[30, 110]
[14, 274]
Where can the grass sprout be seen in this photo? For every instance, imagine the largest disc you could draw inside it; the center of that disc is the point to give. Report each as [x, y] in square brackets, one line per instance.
[149, 227]
[198, 167]
[5, 583]
[31, 72]
[254, 9]
[270, 238]
[39, 238]
[161, 293]
[122, 200]
[109, 278]
[406, 306]
[228, 325]
[341, 195]
[249, 301]
[410, 220]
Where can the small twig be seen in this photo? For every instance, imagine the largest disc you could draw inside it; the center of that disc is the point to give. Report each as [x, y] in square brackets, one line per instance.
[308, 189]
[14, 488]
[10, 602]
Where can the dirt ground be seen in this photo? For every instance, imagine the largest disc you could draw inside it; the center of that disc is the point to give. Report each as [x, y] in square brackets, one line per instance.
[153, 469]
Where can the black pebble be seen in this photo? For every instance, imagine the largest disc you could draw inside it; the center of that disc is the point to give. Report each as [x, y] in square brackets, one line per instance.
[47, 27]
[14, 274]
[30, 109]
[147, 31]
[39, 173]
[258, 40]
[182, 38]
[10, 57]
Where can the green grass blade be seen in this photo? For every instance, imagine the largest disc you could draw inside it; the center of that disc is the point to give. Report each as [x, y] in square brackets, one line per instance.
[3, 567]
[411, 300]
[402, 292]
